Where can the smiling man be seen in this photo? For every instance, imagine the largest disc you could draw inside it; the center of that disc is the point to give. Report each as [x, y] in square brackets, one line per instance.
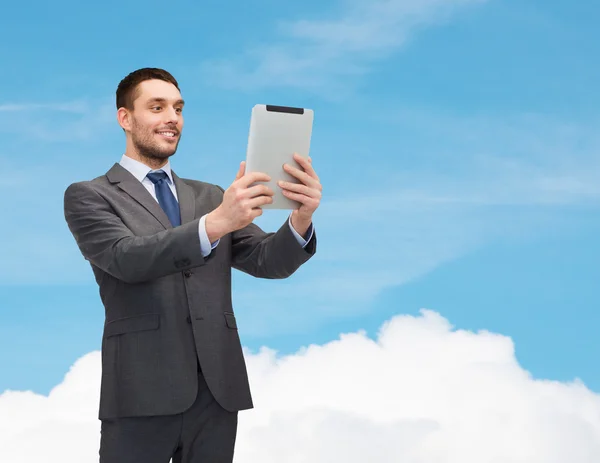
[162, 249]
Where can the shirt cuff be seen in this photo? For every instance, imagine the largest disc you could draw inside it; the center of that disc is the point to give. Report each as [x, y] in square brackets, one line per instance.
[299, 238]
[205, 246]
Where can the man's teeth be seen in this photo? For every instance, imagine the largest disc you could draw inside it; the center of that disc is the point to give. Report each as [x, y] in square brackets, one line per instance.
[167, 134]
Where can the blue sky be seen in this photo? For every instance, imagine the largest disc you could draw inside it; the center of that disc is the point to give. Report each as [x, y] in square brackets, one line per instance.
[457, 144]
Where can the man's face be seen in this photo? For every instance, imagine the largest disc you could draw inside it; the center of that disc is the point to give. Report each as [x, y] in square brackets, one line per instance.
[157, 119]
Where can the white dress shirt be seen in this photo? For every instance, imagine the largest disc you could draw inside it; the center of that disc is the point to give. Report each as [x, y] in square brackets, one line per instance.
[140, 171]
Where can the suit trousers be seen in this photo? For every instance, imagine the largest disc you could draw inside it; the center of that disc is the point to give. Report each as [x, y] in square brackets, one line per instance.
[204, 433]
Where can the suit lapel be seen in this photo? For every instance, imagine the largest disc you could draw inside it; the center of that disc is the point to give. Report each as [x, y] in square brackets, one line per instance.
[129, 184]
[186, 198]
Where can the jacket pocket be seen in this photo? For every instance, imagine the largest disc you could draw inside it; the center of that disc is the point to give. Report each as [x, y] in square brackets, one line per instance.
[230, 320]
[144, 322]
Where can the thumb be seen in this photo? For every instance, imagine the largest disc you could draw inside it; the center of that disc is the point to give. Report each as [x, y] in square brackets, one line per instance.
[242, 170]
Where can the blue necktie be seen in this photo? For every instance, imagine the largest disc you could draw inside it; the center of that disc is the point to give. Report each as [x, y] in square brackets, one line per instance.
[165, 196]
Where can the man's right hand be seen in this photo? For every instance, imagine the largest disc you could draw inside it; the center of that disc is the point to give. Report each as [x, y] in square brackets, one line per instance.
[241, 204]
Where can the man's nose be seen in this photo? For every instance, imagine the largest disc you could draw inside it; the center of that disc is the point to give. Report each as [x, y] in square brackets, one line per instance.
[171, 116]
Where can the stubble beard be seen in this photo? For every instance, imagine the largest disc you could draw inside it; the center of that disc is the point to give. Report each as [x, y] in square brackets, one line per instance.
[147, 147]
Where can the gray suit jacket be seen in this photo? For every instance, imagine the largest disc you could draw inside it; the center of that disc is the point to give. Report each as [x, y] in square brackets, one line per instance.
[167, 306]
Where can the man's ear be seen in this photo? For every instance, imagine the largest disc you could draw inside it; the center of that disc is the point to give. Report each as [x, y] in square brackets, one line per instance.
[124, 119]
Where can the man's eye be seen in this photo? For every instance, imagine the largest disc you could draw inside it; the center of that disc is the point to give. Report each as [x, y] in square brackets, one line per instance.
[157, 108]
[179, 110]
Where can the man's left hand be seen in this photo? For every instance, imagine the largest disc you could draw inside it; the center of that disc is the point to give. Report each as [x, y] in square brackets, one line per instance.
[308, 192]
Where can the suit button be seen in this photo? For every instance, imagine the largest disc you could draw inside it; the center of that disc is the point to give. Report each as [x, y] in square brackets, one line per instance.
[188, 319]
[187, 273]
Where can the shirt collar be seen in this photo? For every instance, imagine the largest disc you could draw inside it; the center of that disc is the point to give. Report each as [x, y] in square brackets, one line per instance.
[139, 170]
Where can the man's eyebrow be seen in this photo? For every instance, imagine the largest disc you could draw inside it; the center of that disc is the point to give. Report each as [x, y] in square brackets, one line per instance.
[179, 102]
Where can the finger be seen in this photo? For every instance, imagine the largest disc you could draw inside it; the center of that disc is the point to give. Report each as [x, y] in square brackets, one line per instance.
[306, 164]
[259, 201]
[259, 190]
[307, 201]
[241, 170]
[253, 177]
[300, 188]
[302, 176]
[256, 212]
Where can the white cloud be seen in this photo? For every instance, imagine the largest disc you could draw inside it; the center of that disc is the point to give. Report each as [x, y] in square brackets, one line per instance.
[59, 428]
[313, 54]
[420, 392]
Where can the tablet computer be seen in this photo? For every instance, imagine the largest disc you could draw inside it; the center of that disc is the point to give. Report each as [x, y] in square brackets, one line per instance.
[276, 133]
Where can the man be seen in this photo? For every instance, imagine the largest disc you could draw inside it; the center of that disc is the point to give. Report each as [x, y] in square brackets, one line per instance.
[162, 248]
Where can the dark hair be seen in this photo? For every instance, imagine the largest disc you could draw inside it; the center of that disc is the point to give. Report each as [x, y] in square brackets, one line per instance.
[127, 91]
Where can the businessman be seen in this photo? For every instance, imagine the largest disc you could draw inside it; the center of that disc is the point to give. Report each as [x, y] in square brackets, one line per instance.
[162, 248]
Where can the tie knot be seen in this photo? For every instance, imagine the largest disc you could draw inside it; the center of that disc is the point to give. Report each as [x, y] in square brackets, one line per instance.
[156, 177]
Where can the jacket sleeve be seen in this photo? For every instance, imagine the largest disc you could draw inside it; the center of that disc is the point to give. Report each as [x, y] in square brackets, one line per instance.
[270, 255]
[106, 242]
